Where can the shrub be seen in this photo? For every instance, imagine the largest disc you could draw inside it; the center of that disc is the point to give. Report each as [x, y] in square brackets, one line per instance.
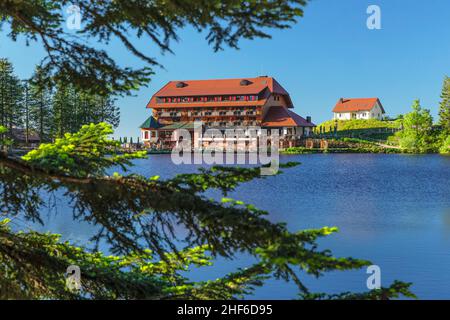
[445, 148]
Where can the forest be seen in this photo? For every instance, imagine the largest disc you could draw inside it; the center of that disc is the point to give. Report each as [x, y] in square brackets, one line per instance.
[44, 113]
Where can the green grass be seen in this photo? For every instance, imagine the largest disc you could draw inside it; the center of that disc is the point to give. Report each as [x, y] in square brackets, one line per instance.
[357, 140]
[300, 150]
[373, 129]
[345, 125]
[367, 149]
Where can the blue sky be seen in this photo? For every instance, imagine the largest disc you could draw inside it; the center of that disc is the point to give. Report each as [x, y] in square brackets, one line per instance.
[328, 54]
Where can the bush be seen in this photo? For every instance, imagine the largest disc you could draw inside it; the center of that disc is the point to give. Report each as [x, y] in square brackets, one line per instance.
[445, 148]
[4, 142]
[418, 135]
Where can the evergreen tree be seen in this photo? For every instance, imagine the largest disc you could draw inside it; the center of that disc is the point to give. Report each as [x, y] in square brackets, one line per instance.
[416, 134]
[107, 111]
[62, 107]
[444, 107]
[10, 97]
[76, 60]
[73, 108]
[41, 107]
[26, 109]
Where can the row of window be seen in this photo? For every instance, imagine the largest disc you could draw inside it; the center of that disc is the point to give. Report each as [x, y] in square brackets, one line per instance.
[224, 113]
[202, 109]
[226, 124]
[207, 99]
[364, 114]
[228, 116]
[208, 113]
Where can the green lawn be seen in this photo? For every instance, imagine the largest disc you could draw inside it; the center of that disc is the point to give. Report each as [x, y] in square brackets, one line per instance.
[375, 130]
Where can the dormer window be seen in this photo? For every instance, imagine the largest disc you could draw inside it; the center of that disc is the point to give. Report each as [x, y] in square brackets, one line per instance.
[181, 84]
[245, 82]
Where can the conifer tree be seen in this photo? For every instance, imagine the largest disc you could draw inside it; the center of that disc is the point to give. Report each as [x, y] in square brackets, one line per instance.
[224, 22]
[26, 112]
[61, 107]
[416, 134]
[10, 97]
[444, 106]
[41, 107]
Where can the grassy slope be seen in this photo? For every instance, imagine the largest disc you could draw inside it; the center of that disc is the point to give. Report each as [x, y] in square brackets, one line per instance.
[344, 125]
[365, 129]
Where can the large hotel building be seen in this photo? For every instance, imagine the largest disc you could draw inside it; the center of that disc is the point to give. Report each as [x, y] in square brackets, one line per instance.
[222, 104]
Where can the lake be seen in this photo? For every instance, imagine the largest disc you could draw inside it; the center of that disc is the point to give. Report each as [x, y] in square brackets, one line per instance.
[393, 210]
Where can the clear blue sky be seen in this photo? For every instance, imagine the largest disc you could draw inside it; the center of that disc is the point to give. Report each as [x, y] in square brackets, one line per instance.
[328, 54]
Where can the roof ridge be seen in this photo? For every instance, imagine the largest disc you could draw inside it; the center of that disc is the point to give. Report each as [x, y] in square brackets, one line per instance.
[370, 98]
[224, 79]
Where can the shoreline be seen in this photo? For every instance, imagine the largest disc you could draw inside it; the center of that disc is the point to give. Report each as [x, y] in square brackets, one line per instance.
[293, 151]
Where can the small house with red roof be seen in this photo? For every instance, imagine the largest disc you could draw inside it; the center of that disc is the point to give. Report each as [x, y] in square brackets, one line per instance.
[358, 108]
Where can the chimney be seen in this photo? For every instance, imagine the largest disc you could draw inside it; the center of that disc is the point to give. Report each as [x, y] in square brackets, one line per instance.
[341, 100]
[308, 119]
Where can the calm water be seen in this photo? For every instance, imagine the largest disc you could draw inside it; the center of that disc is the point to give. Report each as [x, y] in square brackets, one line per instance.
[391, 209]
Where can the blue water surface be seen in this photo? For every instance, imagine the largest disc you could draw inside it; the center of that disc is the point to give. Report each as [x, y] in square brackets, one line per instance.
[393, 210]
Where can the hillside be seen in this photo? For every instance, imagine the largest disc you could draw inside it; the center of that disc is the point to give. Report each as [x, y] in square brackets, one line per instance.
[365, 129]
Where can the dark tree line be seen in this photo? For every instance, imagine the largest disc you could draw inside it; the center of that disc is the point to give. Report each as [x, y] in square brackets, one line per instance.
[49, 112]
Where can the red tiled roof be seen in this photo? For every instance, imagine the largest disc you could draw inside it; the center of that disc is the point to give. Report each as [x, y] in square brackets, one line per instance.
[282, 117]
[220, 86]
[356, 104]
[217, 87]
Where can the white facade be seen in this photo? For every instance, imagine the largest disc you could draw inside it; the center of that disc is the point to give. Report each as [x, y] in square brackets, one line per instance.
[375, 113]
[149, 135]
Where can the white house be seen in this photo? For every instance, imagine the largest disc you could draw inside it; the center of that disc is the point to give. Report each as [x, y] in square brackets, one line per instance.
[358, 108]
